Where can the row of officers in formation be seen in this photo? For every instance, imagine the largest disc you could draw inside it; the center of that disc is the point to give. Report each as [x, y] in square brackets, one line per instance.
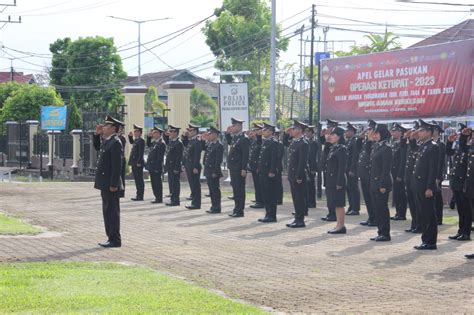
[407, 161]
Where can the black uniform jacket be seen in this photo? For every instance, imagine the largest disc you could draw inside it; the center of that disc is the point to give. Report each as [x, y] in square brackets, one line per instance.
[380, 161]
[297, 159]
[154, 162]
[109, 164]
[336, 167]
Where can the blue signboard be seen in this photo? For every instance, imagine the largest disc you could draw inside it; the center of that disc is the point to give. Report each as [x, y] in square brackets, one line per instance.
[53, 117]
[321, 55]
[149, 122]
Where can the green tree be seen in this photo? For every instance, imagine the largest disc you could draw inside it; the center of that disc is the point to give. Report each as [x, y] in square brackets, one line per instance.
[26, 102]
[378, 43]
[202, 104]
[7, 90]
[152, 102]
[75, 117]
[240, 39]
[90, 70]
[203, 120]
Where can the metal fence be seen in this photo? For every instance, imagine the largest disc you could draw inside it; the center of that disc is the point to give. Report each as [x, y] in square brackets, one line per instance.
[17, 147]
[63, 145]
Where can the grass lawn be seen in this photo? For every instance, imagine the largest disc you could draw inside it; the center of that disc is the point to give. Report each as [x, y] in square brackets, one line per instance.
[45, 288]
[450, 219]
[13, 226]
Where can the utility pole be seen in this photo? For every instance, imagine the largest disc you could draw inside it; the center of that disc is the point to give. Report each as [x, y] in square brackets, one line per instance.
[311, 65]
[301, 102]
[293, 84]
[273, 64]
[11, 70]
[139, 22]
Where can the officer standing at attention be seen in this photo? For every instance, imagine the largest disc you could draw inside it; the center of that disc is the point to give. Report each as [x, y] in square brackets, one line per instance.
[469, 184]
[331, 124]
[237, 160]
[281, 152]
[353, 193]
[457, 178]
[267, 170]
[255, 139]
[380, 180]
[363, 172]
[154, 162]
[424, 181]
[399, 160]
[212, 168]
[441, 171]
[192, 164]
[297, 160]
[312, 166]
[108, 181]
[136, 160]
[174, 157]
[409, 144]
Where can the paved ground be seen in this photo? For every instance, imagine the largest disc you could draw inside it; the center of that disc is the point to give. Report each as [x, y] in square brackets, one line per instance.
[303, 270]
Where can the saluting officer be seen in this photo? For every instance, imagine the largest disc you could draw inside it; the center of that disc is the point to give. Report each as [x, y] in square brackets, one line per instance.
[469, 184]
[424, 181]
[192, 164]
[313, 155]
[409, 144]
[297, 160]
[174, 157]
[457, 178]
[267, 171]
[154, 162]
[136, 160]
[380, 181]
[335, 181]
[399, 160]
[331, 124]
[353, 193]
[237, 160]
[441, 171]
[212, 168]
[255, 139]
[281, 152]
[108, 181]
[363, 172]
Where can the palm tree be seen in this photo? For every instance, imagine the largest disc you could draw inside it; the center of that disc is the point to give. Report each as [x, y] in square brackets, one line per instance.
[203, 120]
[383, 43]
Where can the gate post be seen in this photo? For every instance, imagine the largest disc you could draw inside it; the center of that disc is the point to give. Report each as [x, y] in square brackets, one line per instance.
[32, 131]
[76, 150]
[179, 102]
[135, 109]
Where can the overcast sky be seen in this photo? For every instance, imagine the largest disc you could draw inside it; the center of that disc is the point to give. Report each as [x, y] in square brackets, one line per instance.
[45, 21]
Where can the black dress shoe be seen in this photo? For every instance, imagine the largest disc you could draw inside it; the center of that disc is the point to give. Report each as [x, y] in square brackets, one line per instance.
[189, 198]
[267, 220]
[396, 218]
[374, 238]
[469, 256]
[109, 244]
[136, 199]
[157, 201]
[192, 207]
[417, 231]
[295, 225]
[383, 238]
[353, 212]
[464, 237]
[338, 231]
[172, 204]
[331, 219]
[207, 195]
[410, 230]
[236, 215]
[370, 223]
[348, 210]
[454, 237]
[325, 218]
[364, 223]
[425, 247]
[213, 211]
[257, 206]
[230, 197]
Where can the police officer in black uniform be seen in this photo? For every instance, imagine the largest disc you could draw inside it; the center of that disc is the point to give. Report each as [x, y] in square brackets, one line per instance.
[335, 181]
[312, 169]
[154, 162]
[331, 124]
[398, 171]
[174, 156]
[267, 171]
[469, 184]
[363, 172]
[281, 152]
[424, 181]
[297, 160]
[409, 144]
[380, 180]
[255, 139]
[136, 160]
[237, 160]
[108, 181]
[441, 171]
[353, 193]
[457, 178]
[212, 168]
[192, 164]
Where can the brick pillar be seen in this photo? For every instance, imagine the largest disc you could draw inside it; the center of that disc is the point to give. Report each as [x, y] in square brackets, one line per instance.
[179, 103]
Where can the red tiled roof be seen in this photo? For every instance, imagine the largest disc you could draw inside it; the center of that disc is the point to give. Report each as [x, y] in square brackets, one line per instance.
[17, 77]
[461, 31]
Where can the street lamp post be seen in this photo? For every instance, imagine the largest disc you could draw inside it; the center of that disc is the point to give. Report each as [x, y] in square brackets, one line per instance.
[139, 22]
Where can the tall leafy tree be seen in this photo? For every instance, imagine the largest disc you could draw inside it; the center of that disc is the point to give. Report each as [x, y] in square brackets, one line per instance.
[90, 70]
[75, 117]
[202, 103]
[240, 39]
[152, 102]
[378, 43]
